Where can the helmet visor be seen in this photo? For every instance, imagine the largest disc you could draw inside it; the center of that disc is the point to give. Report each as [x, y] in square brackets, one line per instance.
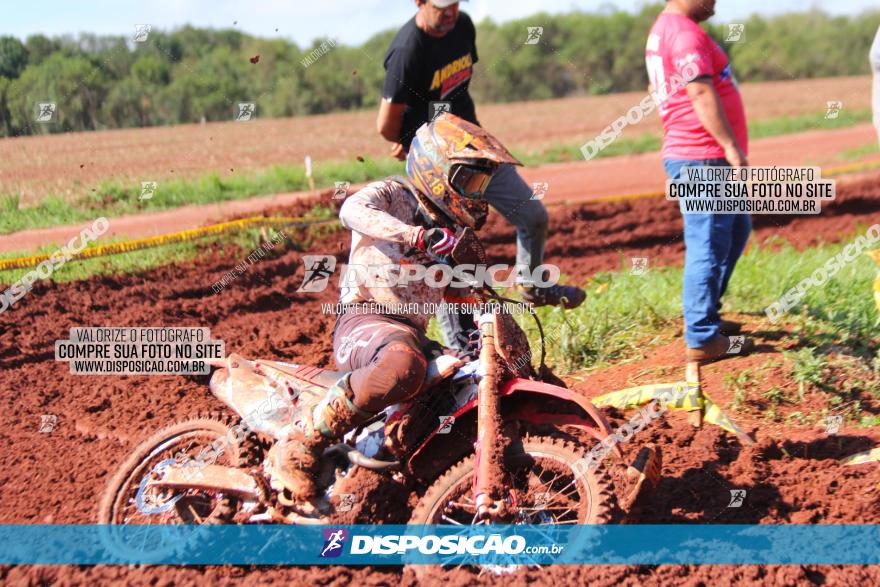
[470, 181]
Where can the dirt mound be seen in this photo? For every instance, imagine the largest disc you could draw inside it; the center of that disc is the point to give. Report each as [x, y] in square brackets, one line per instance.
[57, 477]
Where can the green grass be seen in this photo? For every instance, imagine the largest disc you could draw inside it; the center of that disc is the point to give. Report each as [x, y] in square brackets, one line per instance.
[132, 262]
[612, 324]
[859, 152]
[808, 369]
[630, 310]
[844, 302]
[783, 125]
[759, 129]
[836, 330]
[135, 262]
[739, 383]
[114, 198]
[645, 143]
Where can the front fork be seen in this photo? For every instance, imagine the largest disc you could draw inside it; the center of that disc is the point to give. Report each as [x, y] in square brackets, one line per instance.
[488, 489]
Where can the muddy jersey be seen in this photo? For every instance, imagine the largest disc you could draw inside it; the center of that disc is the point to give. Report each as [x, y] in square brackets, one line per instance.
[383, 218]
[420, 69]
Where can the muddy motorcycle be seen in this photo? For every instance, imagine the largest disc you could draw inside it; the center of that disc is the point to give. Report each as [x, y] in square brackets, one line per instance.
[491, 440]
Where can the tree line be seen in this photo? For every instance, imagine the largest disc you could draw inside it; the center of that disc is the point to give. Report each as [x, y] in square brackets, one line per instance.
[192, 74]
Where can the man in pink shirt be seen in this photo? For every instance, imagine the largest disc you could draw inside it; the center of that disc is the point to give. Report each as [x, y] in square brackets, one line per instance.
[704, 124]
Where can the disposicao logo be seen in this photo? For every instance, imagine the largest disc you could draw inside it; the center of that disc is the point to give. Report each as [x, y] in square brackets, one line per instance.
[334, 542]
[432, 544]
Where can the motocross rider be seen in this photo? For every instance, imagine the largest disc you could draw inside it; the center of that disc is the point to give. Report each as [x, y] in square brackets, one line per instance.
[449, 165]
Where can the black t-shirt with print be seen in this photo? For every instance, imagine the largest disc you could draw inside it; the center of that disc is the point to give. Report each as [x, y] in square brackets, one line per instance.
[420, 69]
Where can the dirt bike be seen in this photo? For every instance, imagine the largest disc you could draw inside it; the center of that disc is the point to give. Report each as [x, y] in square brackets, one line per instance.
[486, 441]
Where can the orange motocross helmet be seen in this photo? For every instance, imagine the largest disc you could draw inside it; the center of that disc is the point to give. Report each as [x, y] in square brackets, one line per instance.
[450, 163]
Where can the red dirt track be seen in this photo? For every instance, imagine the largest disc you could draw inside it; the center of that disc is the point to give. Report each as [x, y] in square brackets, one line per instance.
[792, 474]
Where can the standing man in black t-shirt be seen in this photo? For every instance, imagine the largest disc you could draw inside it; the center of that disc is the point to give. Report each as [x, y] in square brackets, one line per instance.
[431, 60]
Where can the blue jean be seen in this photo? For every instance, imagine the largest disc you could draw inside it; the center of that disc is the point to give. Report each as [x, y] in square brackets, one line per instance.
[713, 244]
[511, 196]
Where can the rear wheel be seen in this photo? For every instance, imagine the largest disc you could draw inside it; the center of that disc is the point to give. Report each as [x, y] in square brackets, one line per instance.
[130, 500]
[547, 488]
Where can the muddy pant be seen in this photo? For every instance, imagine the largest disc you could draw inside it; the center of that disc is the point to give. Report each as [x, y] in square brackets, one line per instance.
[385, 355]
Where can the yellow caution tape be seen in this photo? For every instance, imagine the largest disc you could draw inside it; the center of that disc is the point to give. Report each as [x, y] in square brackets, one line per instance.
[687, 397]
[875, 254]
[167, 239]
[603, 199]
[869, 456]
[851, 168]
[713, 415]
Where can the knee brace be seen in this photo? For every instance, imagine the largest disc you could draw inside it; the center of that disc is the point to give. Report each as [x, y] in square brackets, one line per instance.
[395, 376]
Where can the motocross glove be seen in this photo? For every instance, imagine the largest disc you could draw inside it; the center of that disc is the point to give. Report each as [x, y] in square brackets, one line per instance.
[439, 241]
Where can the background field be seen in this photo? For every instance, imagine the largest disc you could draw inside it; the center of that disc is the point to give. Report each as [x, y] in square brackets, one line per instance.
[187, 74]
[72, 164]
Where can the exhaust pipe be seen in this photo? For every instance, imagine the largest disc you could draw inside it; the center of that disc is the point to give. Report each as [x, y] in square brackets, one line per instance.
[356, 457]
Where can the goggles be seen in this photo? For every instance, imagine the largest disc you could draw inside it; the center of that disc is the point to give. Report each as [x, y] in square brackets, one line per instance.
[470, 181]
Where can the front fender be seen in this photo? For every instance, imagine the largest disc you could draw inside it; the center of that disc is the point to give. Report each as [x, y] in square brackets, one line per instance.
[595, 423]
[600, 428]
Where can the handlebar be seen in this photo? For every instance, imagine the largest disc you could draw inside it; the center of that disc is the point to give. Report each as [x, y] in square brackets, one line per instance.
[468, 249]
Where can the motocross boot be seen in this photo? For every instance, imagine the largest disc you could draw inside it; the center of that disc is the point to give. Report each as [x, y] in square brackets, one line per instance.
[293, 463]
[721, 347]
[567, 295]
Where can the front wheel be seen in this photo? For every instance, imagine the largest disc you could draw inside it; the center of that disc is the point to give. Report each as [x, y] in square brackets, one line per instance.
[547, 487]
